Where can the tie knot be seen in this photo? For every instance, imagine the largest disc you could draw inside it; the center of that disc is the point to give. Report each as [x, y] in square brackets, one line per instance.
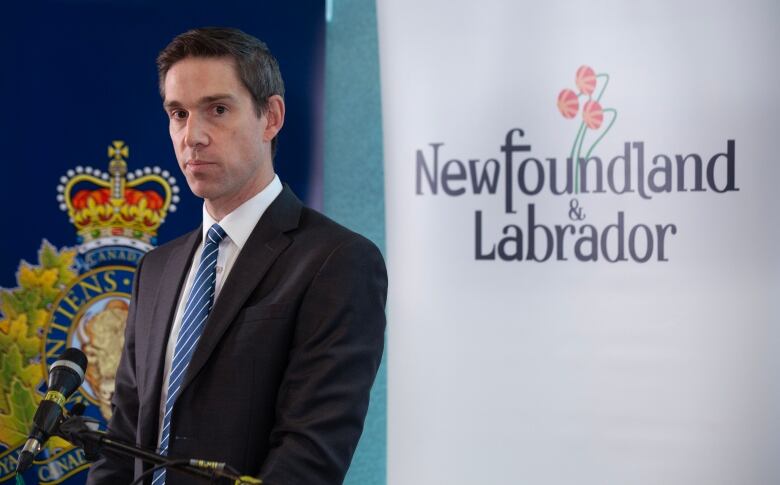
[215, 235]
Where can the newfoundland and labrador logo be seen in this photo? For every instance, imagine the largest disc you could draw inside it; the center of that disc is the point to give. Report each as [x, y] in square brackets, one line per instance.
[77, 298]
[633, 172]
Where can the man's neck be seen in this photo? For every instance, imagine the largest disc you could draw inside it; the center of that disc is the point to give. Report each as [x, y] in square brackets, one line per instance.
[221, 207]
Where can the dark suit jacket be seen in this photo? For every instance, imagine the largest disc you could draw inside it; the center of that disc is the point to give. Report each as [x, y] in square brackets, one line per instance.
[279, 383]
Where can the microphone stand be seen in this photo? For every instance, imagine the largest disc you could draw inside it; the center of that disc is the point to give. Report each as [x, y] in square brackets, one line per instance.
[77, 431]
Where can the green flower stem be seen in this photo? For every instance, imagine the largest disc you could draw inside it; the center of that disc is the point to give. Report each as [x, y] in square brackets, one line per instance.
[603, 87]
[577, 165]
[614, 117]
[580, 134]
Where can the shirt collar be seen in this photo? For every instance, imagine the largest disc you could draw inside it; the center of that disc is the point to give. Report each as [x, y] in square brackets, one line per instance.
[238, 225]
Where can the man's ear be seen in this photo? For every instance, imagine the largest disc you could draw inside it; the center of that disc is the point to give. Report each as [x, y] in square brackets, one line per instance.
[275, 116]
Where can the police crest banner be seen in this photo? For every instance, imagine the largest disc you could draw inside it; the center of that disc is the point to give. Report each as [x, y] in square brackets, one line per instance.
[78, 297]
[582, 235]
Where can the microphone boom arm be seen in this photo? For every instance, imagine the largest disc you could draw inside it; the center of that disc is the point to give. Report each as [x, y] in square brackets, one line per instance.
[76, 430]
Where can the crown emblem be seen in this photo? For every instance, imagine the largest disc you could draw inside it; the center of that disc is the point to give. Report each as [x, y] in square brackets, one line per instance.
[117, 206]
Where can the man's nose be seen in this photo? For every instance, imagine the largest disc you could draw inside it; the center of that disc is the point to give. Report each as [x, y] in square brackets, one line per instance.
[195, 133]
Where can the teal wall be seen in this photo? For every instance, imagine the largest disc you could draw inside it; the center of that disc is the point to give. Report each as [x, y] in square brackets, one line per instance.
[354, 177]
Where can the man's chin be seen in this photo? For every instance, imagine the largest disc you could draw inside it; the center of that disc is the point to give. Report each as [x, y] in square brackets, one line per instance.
[201, 188]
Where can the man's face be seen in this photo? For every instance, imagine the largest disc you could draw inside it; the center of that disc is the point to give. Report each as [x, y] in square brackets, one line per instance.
[220, 142]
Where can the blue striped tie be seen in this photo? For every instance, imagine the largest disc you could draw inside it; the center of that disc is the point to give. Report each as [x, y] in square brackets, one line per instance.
[196, 312]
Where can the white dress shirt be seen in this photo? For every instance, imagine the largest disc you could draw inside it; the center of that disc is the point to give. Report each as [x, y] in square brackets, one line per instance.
[238, 225]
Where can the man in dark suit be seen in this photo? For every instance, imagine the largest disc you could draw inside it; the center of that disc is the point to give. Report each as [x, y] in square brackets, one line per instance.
[255, 339]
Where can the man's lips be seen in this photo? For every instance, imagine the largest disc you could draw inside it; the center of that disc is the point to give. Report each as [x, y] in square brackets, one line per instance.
[197, 163]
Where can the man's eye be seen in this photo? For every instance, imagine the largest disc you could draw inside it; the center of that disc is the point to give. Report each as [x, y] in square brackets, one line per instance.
[220, 110]
[179, 115]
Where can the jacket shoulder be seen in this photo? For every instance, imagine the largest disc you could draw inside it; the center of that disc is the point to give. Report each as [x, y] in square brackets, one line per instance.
[324, 232]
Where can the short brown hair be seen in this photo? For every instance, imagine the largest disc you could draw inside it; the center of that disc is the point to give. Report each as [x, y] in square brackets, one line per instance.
[257, 67]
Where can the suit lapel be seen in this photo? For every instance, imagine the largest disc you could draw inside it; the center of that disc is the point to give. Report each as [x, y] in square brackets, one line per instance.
[263, 247]
[173, 275]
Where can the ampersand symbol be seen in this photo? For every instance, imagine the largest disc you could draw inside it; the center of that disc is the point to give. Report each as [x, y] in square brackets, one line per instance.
[575, 211]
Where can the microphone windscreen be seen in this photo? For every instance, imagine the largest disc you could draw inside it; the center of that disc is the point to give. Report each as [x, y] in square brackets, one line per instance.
[76, 356]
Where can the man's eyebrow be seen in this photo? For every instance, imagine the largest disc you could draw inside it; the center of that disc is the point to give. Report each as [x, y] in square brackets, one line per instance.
[216, 97]
[168, 105]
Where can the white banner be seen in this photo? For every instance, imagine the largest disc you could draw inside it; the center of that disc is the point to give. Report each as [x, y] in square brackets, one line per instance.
[582, 241]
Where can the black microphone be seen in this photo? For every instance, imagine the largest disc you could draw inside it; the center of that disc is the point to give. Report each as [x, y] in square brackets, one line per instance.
[65, 376]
